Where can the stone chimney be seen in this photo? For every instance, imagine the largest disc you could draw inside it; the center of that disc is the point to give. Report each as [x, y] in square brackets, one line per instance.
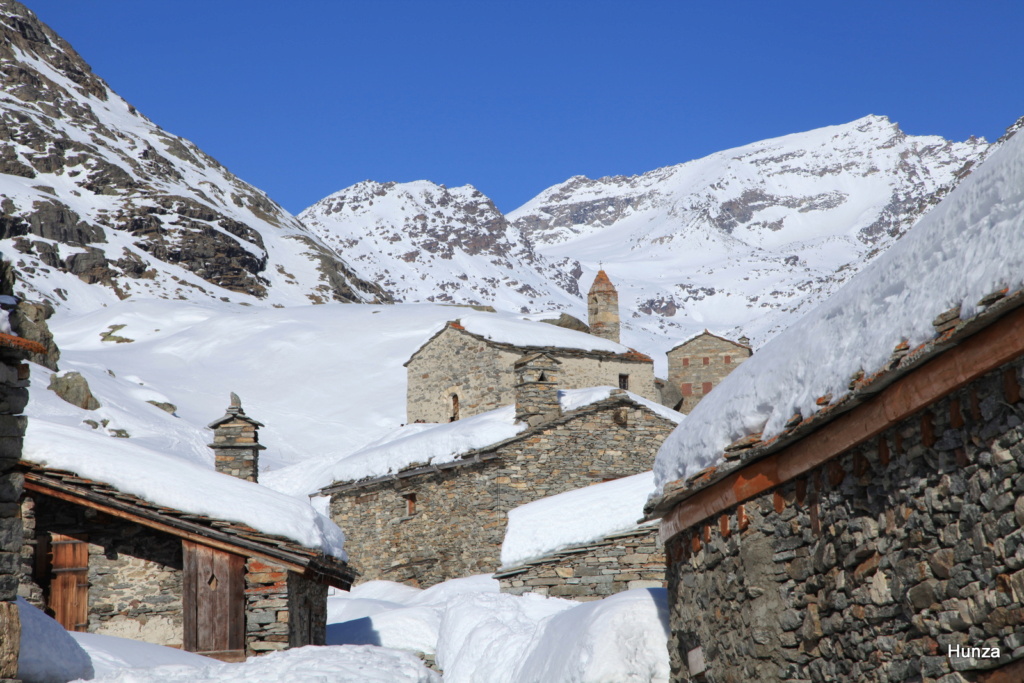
[236, 445]
[536, 388]
[603, 308]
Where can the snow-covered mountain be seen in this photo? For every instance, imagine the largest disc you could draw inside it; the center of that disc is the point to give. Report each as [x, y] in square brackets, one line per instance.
[747, 238]
[93, 192]
[742, 241]
[427, 242]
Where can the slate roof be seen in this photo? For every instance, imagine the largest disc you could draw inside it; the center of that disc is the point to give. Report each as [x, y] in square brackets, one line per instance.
[232, 536]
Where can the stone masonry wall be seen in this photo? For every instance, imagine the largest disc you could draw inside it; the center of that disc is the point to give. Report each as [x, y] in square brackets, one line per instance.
[698, 366]
[618, 562]
[282, 609]
[431, 527]
[872, 566]
[13, 397]
[457, 363]
[481, 374]
[135, 573]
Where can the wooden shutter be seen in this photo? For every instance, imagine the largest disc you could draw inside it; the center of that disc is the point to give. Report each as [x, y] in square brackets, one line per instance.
[214, 602]
[69, 588]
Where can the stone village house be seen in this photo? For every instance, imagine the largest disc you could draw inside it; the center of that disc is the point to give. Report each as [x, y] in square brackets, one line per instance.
[104, 561]
[458, 373]
[697, 365]
[428, 523]
[866, 541]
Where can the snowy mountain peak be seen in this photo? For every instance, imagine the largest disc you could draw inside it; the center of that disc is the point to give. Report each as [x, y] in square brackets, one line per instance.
[94, 193]
[427, 242]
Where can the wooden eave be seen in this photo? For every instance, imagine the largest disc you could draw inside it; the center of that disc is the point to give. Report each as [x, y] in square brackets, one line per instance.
[934, 370]
[233, 537]
[487, 453]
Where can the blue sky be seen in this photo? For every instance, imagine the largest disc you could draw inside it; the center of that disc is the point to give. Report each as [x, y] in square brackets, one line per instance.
[307, 97]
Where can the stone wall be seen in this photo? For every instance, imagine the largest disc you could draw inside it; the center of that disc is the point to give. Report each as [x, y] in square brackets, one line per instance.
[618, 562]
[697, 366]
[135, 573]
[450, 522]
[872, 566]
[13, 398]
[481, 374]
[454, 363]
[282, 609]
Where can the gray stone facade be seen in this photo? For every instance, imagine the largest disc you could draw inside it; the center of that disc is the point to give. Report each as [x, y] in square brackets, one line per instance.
[134, 573]
[457, 374]
[615, 563]
[435, 523]
[697, 366]
[873, 565]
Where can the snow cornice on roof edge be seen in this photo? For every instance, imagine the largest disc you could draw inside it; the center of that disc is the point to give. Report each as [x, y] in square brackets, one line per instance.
[1003, 322]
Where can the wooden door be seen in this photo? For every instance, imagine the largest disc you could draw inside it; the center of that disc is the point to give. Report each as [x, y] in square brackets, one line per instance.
[69, 587]
[214, 602]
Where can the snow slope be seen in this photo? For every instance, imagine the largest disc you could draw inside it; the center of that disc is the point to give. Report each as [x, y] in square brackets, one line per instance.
[969, 246]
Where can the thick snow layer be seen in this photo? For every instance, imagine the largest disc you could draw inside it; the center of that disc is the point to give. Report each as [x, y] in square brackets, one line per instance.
[572, 399]
[395, 615]
[520, 332]
[310, 664]
[422, 444]
[574, 517]
[620, 638]
[970, 245]
[48, 653]
[110, 654]
[167, 480]
[480, 634]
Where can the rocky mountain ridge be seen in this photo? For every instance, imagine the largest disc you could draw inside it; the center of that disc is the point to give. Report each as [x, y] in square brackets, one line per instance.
[94, 193]
[426, 242]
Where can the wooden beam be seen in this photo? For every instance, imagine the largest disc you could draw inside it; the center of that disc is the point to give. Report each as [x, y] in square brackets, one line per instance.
[201, 535]
[985, 351]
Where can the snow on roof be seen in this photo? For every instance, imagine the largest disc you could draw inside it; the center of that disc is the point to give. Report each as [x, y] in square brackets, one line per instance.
[431, 444]
[970, 245]
[518, 332]
[173, 482]
[574, 518]
[573, 399]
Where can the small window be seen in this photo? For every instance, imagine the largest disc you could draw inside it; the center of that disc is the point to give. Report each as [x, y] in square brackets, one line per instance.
[624, 382]
[706, 388]
[455, 408]
[410, 504]
[707, 361]
[728, 360]
[686, 362]
[687, 389]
